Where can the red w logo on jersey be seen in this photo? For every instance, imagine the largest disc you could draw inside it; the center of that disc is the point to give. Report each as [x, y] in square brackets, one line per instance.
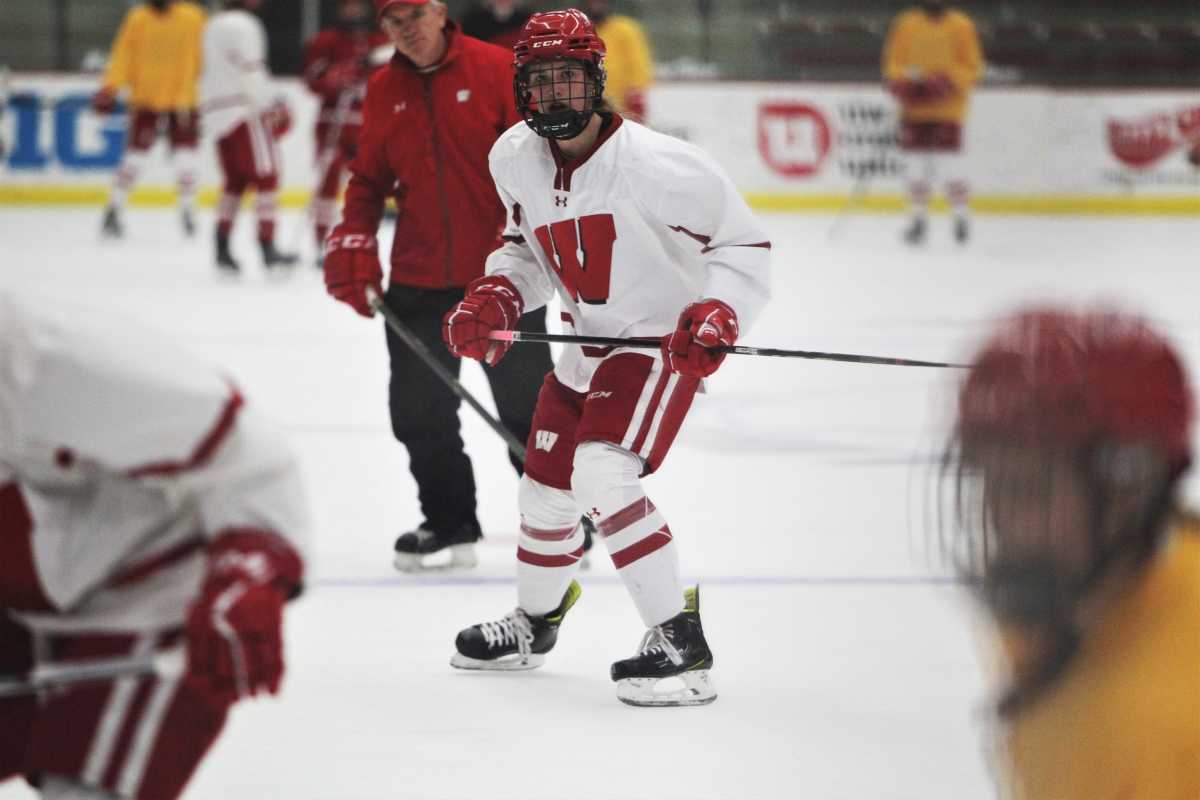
[581, 252]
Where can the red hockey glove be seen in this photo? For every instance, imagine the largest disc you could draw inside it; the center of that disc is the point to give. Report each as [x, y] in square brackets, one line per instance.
[235, 626]
[104, 101]
[635, 105]
[702, 325]
[341, 76]
[278, 118]
[492, 303]
[351, 265]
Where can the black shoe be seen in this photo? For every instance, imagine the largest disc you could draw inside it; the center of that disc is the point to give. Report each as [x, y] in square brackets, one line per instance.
[188, 221]
[962, 230]
[225, 260]
[914, 234]
[515, 641]
[110, 225]
[675, 649]
[272, 258]
[413, 547]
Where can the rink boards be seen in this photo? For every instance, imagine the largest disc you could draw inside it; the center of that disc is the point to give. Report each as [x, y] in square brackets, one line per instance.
[787, 146]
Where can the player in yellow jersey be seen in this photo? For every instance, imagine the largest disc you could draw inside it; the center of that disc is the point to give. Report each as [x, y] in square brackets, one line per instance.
[1073, 431]
[628, 64]
[157, 56]
[931, 61]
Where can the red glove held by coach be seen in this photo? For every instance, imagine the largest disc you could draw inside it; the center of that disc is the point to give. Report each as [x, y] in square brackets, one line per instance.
[235, 626]
[351, 264]
[703, 325]
[492, 303]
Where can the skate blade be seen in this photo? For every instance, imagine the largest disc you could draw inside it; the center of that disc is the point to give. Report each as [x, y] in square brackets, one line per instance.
[462, 556]
[686, 689]
[510, 663]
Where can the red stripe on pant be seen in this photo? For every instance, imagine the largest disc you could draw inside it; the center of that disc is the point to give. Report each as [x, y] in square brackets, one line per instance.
[541, 560]
[653, 542]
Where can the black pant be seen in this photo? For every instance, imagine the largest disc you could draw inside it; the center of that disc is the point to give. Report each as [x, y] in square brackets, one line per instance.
[425, 412]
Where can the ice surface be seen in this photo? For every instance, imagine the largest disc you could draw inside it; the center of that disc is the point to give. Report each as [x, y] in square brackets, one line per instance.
[847, 665]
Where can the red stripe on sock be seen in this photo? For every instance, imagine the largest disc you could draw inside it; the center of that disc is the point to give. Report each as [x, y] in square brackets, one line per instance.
[637, 510]
[653, 542]
[557, 535]
[540, 560]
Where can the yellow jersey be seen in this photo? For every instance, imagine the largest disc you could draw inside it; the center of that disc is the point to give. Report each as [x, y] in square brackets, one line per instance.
[1123, 722]
[920, 46]
[157, 55]
[628, 61]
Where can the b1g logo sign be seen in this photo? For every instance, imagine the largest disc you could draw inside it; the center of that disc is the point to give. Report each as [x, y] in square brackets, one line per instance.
[1142, 143]
[793, 138]
[63, 131]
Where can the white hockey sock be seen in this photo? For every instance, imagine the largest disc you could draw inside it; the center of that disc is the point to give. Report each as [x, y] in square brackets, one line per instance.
[607, 487]
[185, 177]
[549, 546]
[126, 177]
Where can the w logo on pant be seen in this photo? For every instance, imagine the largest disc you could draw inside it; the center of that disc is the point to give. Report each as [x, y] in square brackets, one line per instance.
[544, 440]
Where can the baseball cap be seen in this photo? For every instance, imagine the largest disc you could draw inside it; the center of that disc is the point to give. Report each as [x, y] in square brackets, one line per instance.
[383, 5]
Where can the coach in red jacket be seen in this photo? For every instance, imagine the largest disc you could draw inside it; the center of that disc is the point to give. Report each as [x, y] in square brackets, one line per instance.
[430, 118]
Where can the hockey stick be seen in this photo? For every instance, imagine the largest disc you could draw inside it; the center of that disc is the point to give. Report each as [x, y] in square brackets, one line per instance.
[418, 347]
[655, 344]
[169, 663]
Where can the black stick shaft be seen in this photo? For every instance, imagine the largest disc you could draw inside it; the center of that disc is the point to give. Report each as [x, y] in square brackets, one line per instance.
[405, 334]
[653, 344]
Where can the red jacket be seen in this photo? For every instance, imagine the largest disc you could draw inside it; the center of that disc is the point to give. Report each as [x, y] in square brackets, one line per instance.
[425, 141]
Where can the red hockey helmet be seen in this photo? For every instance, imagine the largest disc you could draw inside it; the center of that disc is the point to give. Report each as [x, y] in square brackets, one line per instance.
[1074, 379]
[556, 36]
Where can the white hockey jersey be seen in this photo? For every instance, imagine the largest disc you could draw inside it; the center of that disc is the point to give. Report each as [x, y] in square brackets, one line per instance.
[235, 85]
[121, 456]
[627, 236]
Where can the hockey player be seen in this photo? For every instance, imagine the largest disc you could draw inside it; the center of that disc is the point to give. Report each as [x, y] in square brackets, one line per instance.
[157, 56]
[430, 118]
[144, 508]
[639, 234]
[245, 119]
[627, 61]
[931, 61]
[337, 63]
[1072, 435]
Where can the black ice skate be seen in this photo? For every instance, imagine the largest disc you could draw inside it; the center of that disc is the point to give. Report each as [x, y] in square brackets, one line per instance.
[672, 664]
[273, 259]
[414, 548]
[514, 642]
[962, 230]
[914, 234]
[110, 225]
[187, 220]
[226, 263]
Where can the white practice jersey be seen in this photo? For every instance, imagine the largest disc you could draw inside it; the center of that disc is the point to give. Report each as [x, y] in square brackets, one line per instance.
[121, 456]
[627, 237]
[235, 85]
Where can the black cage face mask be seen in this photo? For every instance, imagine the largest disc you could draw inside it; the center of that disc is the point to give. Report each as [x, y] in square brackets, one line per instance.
[558, 98]
[1039, 533]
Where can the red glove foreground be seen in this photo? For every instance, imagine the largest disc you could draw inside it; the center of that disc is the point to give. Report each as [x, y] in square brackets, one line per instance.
[234, 628]
[104, 101]
[708, 323]
[492, 303]
[351, 265]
